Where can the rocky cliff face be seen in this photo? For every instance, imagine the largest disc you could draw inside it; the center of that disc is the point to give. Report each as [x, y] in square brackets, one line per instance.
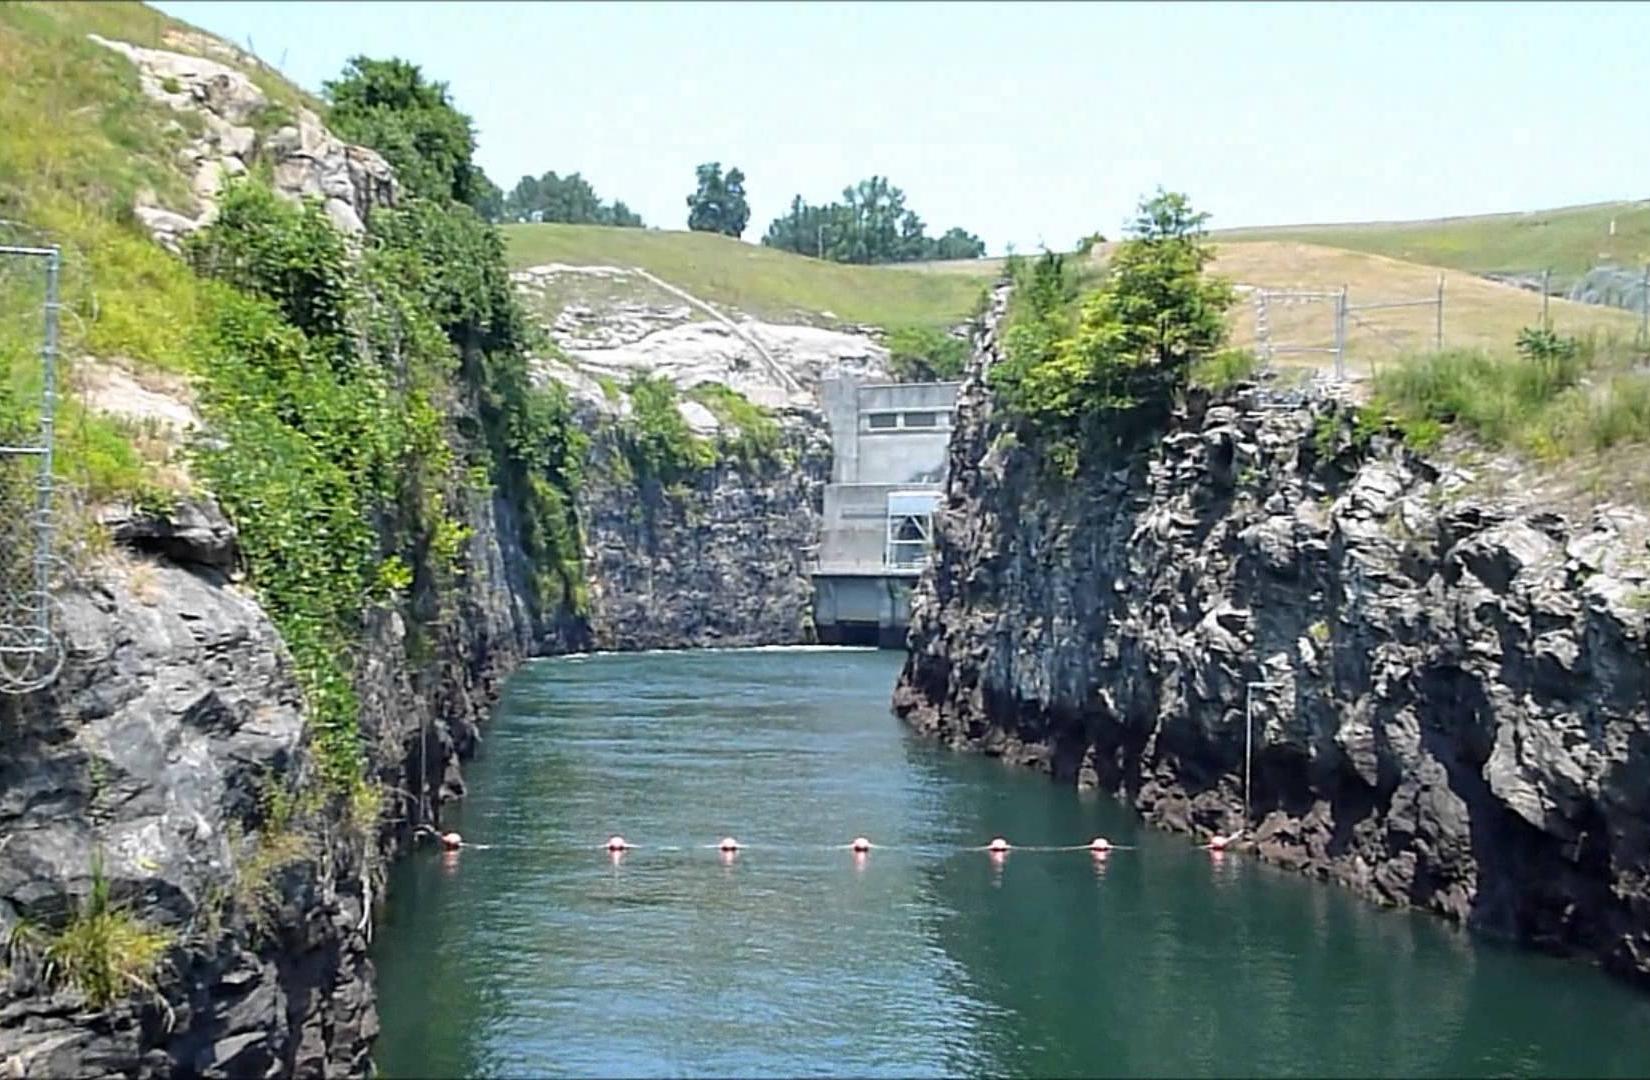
[1455, 709]
[171, 759]
[161, 753]
[720, 560]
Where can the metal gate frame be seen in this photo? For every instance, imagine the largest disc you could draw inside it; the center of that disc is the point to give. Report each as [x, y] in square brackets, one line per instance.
[31, 648]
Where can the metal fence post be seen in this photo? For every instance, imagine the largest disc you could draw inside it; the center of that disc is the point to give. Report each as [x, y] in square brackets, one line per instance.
[31, 649]
[1546, 288]
[48, 435]
[1644, 307]
[1438, 335]
[1340, 335]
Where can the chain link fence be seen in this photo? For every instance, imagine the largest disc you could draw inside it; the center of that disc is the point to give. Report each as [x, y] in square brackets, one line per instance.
[1623, 287]
[31, 646]
[1327, 330]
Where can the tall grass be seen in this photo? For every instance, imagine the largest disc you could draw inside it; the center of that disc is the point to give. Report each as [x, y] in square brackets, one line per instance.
[1551, 401]
[104, 951]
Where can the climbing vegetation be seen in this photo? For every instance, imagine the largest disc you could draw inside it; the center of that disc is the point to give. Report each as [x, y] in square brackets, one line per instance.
[319, 385]
[358, 400]
[657, 441]
[750, 434]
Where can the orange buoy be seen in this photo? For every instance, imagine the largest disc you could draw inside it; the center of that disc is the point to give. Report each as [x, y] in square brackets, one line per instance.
[997, 846]
[728, 844]
[617, 843]
[860, 845]
[451, 841]
[1099, 845]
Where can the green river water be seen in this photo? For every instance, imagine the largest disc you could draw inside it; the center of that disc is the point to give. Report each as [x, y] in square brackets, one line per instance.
[540, 955]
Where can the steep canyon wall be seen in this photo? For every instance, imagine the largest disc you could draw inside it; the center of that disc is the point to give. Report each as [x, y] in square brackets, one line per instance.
[1456, 703]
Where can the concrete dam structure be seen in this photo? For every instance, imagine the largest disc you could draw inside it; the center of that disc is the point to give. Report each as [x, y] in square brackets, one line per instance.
[889, 444]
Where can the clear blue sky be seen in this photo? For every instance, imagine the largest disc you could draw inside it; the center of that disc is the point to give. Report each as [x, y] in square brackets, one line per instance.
[1025, 123]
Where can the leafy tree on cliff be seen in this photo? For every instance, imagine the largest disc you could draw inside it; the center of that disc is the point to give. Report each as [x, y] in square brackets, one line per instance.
[1133, 338]
[489, 200]
[719, 203]
[389, 106]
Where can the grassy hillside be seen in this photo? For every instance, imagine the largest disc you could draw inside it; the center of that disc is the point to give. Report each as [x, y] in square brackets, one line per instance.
[80, 141]
[756, 280]
[1478, 313]
[1570, 239]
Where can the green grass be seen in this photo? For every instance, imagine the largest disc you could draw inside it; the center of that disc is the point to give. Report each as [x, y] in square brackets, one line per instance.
[756, 280]
[80, 142]
[1569, 240]
[1224, 369]
[103, 951]
[1552, 408]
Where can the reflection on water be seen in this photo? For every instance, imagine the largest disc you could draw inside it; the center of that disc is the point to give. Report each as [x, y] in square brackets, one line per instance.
[546, 955]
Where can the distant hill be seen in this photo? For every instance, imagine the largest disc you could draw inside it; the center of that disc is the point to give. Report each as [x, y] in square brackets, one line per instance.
[759, 281]
[1570, 240]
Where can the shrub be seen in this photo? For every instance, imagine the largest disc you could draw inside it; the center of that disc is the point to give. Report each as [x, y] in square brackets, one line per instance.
[1553, 398]
[924, 354]
[750, 434]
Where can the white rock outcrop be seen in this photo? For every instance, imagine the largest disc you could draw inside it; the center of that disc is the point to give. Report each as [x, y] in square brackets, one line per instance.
[641, 325]
[308, 161]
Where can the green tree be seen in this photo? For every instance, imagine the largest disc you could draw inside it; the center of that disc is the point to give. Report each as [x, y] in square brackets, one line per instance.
[489, 200]
[389, 106]
[924, 354]
[1129, 347]
[1088, 243]
[958, 243]
[870, 225]
[718, 205]
[568, 199]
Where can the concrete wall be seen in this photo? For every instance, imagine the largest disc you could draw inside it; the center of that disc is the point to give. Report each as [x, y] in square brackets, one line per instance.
[885, 437]
[869, 609]
[889, 433]
[854, 532]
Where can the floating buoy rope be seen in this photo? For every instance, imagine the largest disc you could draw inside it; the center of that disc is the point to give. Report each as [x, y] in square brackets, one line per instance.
[998, 846]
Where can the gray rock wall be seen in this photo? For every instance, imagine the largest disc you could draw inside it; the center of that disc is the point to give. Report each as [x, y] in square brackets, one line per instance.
[719, 560]
[1459, 715]
[178, 713]
[157, 751]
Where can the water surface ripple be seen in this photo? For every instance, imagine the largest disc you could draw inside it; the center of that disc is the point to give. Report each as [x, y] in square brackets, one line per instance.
[539, 956]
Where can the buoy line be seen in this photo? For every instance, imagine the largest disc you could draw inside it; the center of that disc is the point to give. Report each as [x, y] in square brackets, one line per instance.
[860, 846]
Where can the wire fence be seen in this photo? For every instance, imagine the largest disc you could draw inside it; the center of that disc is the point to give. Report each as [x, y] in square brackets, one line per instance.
[1330, 326]
[1346, 335]
[31, 648]
[1623, 287]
